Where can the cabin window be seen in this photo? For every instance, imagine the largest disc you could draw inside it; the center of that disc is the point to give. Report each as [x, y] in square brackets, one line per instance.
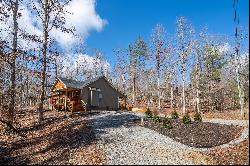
[100, 97]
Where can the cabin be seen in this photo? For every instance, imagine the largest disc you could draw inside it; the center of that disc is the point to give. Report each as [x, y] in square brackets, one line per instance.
[76, 96]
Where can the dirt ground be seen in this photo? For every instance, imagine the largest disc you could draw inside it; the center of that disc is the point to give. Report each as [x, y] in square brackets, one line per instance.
[229, 114]
[61, 139]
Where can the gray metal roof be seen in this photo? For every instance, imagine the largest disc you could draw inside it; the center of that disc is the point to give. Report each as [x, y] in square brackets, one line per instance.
[70, 83]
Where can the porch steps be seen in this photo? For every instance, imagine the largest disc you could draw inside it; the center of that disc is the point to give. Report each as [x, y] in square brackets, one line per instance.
[84, 105]
[69, 105]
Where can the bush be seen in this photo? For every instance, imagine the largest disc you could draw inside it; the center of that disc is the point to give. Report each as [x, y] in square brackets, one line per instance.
[157, 119]
[186, 119]
[174, 115]
[197, 117]
[148, 113]
[168, 123]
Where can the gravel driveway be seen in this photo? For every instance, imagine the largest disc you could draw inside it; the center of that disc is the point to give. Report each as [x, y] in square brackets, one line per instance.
[129, 144]
[125, 143]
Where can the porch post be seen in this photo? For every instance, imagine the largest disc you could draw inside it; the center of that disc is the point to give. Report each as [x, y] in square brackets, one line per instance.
[58, 99]
[65, 104]
[118, 102]
[72, 103]
[51, 102]
[125, 98]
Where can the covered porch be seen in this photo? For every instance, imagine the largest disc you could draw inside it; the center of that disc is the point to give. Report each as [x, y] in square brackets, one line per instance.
[65, 98]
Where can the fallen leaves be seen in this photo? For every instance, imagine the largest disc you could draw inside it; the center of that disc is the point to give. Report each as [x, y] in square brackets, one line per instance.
[234, 155]
[59, 140]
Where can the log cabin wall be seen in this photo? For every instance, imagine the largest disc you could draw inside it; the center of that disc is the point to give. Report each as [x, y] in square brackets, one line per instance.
[72, 101]
[58, 85]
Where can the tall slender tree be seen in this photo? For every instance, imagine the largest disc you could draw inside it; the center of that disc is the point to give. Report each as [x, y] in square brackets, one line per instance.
[158, 53]
[237, 58]
[185, 47]
[13, 6]
[51, 13]
[138, 54]
[197, 71]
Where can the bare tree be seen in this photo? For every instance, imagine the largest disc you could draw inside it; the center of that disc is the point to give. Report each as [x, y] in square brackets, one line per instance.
[52, 15]
[13, 6]
[121, 69]
[185, 46]
[198, 57]
[237, 59]
[159, 54]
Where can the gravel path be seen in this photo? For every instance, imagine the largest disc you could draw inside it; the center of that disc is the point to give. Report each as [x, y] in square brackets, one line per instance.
[130, 144]
[228, 122]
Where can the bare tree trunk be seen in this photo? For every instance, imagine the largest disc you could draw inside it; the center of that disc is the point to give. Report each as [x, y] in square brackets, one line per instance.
[197, 88]
[148, 98]
[159, 95]
[27, 87]
[172, 96]
[44, 53]
[239, 88]
[133, 95]
[13, 64]
[242, 104]
[236, 61]
[183, 90]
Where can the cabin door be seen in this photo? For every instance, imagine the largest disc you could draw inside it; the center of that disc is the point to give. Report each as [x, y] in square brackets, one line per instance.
[94, 97]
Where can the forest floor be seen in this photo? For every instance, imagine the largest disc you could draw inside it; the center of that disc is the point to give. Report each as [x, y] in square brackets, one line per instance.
[60, 140]
[227, 114]
[107, 138]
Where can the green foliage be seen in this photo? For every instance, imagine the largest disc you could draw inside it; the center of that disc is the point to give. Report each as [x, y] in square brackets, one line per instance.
[186, 119]
[210, 77]
[149, 113]
[197, 117]
[157, 119]
[138, 53]
[167, 123]
[174, 115]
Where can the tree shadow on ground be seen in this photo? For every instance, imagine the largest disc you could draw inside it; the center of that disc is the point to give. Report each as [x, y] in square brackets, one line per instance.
[53, 120]
[45, 122]
[55, 145]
